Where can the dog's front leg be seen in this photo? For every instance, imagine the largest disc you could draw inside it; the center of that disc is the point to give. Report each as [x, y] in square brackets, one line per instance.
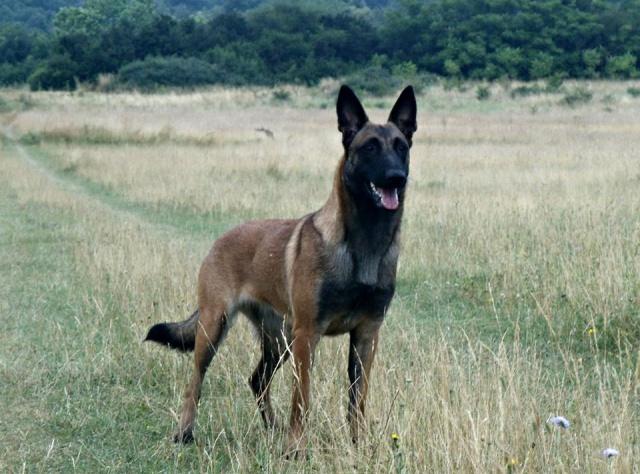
[303, 348]
[362, 349]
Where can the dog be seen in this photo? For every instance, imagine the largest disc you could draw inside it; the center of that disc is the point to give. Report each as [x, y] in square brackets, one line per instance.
[330, 272]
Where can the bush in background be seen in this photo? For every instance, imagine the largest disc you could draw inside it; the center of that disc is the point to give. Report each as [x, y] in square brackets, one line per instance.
[158, 72]
[58, 73]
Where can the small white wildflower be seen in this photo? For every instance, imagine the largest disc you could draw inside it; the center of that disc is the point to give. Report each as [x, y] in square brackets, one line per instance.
[610, 452]
[560, 421]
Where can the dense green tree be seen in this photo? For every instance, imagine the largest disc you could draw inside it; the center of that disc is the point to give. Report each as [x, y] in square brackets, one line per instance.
[238, 63]
[16, 43]
[160, 37]
[20, 51]
[525, 39]
[32, 14]
[96, 16]
[272, 41]
[227, 28]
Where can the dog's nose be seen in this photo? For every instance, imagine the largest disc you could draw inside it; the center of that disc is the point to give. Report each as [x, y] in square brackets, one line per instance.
[395, 178]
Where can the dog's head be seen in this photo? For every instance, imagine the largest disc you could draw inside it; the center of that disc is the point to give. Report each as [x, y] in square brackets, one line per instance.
[377, 156]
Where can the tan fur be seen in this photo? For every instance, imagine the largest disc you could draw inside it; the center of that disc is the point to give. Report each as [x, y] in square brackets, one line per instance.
[293, 279]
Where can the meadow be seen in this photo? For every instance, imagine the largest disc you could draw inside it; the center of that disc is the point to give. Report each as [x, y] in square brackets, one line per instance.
[517, 297]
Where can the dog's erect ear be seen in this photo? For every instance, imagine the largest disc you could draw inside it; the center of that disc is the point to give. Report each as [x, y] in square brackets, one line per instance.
[351, 115]
[403, 114]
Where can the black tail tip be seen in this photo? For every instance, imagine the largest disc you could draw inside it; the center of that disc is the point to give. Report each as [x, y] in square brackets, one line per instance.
[159, 333]
[171, 335]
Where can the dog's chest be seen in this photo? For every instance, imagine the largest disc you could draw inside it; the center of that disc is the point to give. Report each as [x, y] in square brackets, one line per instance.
[358, 286]
[342, 306]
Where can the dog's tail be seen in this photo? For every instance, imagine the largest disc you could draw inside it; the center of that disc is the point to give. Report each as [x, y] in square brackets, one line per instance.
[181, 336]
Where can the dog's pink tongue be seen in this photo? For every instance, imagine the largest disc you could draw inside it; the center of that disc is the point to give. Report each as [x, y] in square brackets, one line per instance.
[389, 198]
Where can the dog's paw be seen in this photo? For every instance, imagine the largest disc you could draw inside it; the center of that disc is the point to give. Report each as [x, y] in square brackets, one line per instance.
[291, 454]
[295, 449]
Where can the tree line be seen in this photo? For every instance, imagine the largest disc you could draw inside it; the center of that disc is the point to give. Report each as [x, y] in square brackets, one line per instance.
[143, 47]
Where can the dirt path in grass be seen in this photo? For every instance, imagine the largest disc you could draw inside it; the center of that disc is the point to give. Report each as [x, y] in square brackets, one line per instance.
[50, 175]
[162, 220]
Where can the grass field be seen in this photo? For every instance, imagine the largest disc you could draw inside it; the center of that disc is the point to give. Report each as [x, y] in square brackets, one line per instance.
[517, 296]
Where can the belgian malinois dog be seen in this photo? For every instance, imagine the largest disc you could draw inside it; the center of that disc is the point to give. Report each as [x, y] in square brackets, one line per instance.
[330, 272]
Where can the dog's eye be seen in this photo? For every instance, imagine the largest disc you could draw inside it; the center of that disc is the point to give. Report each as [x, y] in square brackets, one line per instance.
[402, 148]
[369, 147]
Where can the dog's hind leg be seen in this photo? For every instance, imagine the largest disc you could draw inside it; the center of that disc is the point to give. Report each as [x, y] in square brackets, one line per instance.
[275, 351]
[213, 325]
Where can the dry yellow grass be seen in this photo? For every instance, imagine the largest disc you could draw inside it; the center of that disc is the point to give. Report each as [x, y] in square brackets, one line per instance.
[517, 296]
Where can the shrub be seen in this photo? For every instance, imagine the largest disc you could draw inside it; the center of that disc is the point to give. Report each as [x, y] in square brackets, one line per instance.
[12, 74]
[592, 59]
[483, 93]
[156, 72]
[5, 106]
[542, 65]
[374, 80]
[281, 95]
[57, 74]
[238, 64]
[634, 91]
[377, 80]
[579, 95]
[526, 91]
[623, 66]
[554, 83]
